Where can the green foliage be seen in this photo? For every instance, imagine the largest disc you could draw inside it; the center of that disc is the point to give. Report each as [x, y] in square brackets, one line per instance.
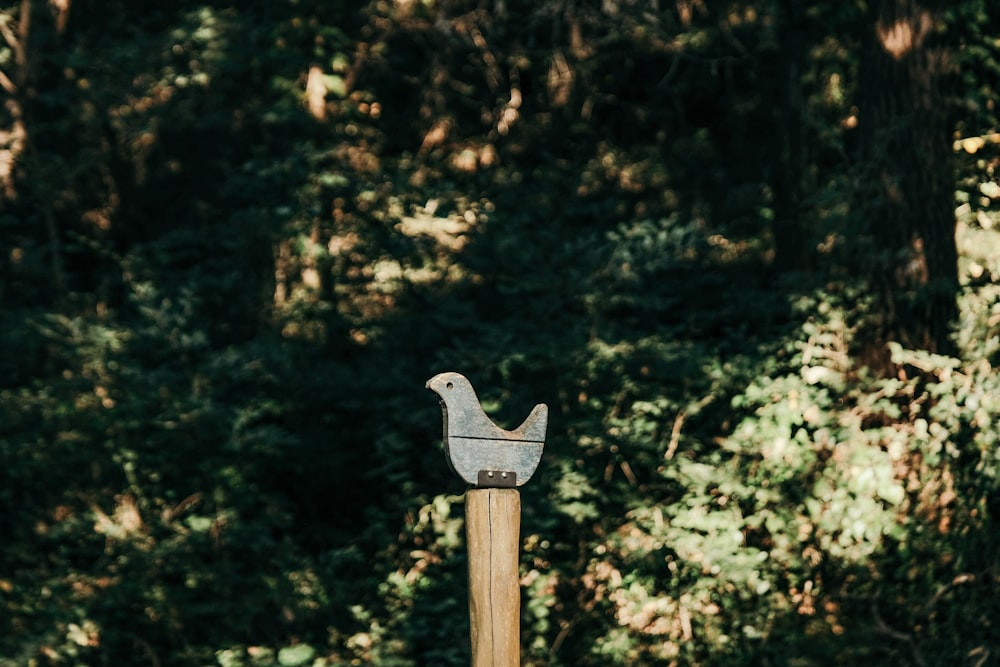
[241, 237]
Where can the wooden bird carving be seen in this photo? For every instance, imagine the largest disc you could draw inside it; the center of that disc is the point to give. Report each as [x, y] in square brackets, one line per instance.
[479, 451]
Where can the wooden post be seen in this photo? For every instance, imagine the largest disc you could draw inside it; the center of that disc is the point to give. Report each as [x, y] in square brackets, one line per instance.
[492, 527]
[494, 461]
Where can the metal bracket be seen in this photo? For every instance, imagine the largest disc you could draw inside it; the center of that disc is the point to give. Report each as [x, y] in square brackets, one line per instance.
[496, 479]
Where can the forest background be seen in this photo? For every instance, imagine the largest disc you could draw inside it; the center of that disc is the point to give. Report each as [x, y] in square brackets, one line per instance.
[747, 251]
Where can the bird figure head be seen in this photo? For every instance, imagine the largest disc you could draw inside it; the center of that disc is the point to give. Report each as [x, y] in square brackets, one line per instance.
[453, 388]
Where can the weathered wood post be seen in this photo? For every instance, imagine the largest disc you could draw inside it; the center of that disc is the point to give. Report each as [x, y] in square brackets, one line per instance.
[495, 462]
[492, 529]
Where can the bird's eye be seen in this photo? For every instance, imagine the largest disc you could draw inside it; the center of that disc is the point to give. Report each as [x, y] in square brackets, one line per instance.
[450, 385]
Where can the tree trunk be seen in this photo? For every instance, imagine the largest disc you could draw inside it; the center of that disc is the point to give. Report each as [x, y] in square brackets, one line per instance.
[17, 158]
[904, 201]
[788, 184]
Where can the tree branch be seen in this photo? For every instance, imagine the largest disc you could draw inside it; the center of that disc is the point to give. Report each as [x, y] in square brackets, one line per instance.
[8, 34]
[902, 637]
[7, 84]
